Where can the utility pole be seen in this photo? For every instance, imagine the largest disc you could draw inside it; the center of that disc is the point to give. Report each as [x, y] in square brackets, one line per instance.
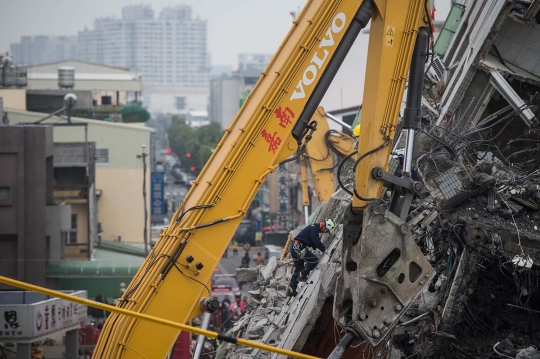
[143, 157]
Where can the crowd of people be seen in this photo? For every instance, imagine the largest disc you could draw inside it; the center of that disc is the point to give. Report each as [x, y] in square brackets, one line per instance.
[227, 314]
[89, 335]
[222, 320]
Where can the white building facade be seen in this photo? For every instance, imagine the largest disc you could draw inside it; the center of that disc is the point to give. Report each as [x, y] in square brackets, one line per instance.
[169, 51]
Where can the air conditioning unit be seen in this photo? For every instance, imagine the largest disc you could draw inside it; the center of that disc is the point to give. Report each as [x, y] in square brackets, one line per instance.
[436, 69]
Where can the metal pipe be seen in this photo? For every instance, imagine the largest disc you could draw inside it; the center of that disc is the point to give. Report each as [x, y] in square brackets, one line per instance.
[337, 120]
[145, 237]
[338, 351]
[286, 248]
[55, 113]
[202, 338]
[168, 323]
[306, 214]
[407, 161]
[414, 319]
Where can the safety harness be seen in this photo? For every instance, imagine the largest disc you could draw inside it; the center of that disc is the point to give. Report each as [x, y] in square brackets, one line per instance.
[300, 249]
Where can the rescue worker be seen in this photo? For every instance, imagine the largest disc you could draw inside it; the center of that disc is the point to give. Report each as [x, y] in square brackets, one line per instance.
[226, 315]
[245, 261]
[235, 248]
[259, 260]
[258, 239]
[304, 260]
[36, 352]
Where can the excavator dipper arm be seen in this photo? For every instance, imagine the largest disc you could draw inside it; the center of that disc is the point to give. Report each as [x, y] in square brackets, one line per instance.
[383, 270]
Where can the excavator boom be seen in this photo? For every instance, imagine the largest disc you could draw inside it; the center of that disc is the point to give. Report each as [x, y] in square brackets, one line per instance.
[382, 268]
[267, 130]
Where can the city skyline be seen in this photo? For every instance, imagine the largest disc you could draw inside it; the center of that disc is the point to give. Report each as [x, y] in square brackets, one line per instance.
[234, 26]
[226, 39]
[228, 22]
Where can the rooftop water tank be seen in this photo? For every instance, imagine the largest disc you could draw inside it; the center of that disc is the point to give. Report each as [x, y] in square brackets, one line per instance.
[66, 77]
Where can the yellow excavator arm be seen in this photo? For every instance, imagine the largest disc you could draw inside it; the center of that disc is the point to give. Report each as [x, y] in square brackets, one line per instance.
[268, 129]
[393, 32]
[319, 157]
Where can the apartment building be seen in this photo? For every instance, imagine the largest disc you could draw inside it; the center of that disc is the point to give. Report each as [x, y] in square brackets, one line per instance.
[40, 49]
[167, 49]
[252, 61]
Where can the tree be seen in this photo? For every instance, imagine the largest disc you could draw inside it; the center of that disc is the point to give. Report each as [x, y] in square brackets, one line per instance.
[197, 142]
[134, 113]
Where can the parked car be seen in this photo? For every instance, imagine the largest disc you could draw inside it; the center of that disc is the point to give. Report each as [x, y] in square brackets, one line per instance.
[245, 233]
[217, 272]
[271, 250]
[227, 280]
[221, 292]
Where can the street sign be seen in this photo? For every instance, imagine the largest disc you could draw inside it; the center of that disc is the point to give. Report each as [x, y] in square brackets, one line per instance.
[21, 320]
[157, 200]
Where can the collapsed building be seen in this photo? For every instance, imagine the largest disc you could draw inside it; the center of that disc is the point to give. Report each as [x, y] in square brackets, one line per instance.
[477, 220]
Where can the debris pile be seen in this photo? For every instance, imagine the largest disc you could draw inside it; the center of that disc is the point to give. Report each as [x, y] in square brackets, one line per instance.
[483, 240]
[274, 318]
[479, 226]
[268, 297]
[477, 222]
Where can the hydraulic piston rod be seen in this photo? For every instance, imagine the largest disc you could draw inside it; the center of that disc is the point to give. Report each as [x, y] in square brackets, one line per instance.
[407, 161]
[412, 113]
[201, 338]
[344, 343]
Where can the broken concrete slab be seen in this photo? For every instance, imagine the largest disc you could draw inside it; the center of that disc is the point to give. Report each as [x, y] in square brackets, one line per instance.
[268, 270]
[248, 275]
[528, 353]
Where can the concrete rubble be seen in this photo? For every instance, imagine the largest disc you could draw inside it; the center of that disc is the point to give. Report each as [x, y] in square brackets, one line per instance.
[273, 317]
[477, 222]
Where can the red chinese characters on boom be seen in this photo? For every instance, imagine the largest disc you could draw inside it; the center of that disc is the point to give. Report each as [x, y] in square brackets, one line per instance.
[284, 116]
[273, 140]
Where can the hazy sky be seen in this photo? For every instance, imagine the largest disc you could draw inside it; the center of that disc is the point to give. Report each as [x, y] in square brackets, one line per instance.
[234, 26]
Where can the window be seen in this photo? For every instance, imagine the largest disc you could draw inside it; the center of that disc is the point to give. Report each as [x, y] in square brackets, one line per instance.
[73, 231]
[5, 192]
[102, 155]
[106, 100]
[5, 196]
[180, 103]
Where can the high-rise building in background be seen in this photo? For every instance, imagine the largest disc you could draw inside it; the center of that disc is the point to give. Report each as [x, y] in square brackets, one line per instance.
[169, 51]
[42, 49]
[257, 62]
[90, 42]
[228, 92]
